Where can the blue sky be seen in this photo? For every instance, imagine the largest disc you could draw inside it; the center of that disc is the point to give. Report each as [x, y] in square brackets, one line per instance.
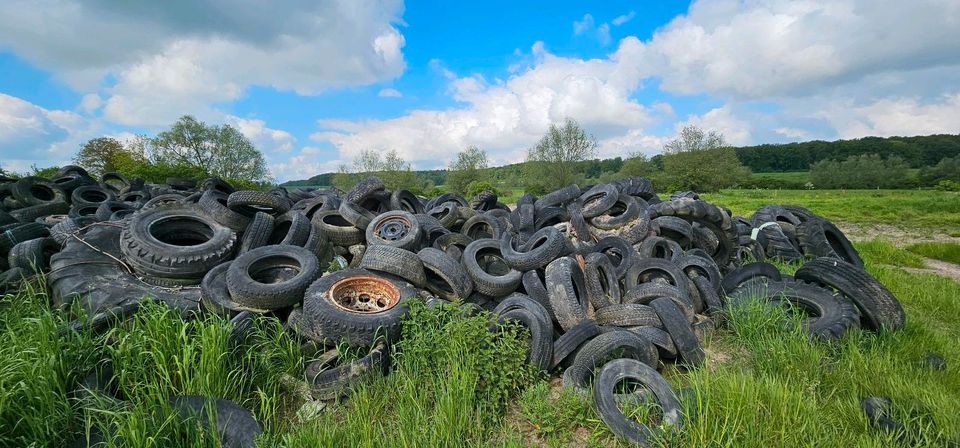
[314, 83]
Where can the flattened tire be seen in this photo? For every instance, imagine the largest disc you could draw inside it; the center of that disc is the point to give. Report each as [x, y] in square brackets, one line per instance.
[337, 381]
[878, 306]
[568, 294]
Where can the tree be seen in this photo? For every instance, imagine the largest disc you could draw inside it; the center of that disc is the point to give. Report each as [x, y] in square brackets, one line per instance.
[101, 155]
[637, 165]
[863, 171]
[552, 161]
[393, 170]
[466, 169]
[217, 150]
[700, 162]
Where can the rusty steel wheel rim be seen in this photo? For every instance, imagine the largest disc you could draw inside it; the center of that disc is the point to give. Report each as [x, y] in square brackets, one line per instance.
[364, 294]
[393, 228]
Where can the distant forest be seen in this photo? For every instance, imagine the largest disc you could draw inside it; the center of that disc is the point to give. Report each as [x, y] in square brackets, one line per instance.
[916, 151]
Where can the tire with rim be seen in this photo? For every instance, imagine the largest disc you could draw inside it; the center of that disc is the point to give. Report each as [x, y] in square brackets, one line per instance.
[878, 307]
[356, 306]
[175, 242]
[396, 228]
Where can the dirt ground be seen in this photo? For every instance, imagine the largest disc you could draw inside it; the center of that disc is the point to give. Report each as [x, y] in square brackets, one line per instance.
[902, 237]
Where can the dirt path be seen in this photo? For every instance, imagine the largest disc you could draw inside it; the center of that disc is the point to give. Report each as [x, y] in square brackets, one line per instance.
[900, 237]
[937, 267]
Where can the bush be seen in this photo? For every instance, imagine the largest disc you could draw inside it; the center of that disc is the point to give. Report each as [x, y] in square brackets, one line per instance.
[475, 187]
[948, 169]
[864, 171]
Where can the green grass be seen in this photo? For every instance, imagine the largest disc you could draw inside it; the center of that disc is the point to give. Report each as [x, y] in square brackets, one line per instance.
[949, 252]
[790, 176]
[917, 210]
[453, 383]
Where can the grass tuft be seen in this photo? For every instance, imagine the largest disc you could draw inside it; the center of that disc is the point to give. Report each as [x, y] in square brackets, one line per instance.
[944, 251]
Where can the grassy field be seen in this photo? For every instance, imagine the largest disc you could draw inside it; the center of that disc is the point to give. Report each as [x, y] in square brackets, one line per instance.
[949, 252]
[911, 210]
[453, 383]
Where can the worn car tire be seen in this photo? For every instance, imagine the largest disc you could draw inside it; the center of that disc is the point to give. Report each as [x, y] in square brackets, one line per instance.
[611, 376]
[444, 276]
[396, 261]
[878, 307]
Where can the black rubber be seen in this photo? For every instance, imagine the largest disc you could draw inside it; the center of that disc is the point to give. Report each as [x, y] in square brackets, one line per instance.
[396, 261]
[248, 203]
[33, 256]
[607, 346]
[611, 376]
[600, 280]
[483, 225]
[445, 276]
[175, 241]
[328, 382]
[355, 214]
[336, 323]
[677, 325]
[404, 200]
[676, 229]
[257, 233]
[395, 228]
[628, 315]
[621, 253]
[567, 292]
[17, 233]
[214, 203]
[597, 200]
[710, 217]
[747, 273]
[820, 238]
[660, 247]
[338, 229]
[291, 228]
[34, 212]
[557, 198]
[660, 339]
[364, 189]
[91, 195]
[878, 307]
[541, 248]
[540, 351]
[533, 286]
[571, 340]
[490, 282]
[271, 277]
[829, 315]
[214, 294]
[34, 190]
[235, 426]
[648, 269]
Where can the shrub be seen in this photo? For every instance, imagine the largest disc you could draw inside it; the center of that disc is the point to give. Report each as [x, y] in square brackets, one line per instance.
[864, 171]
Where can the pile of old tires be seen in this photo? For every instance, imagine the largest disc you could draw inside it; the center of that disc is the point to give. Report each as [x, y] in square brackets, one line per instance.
[610, 280]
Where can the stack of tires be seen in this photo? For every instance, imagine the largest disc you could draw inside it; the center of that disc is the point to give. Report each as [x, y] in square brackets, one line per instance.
[610, 281]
